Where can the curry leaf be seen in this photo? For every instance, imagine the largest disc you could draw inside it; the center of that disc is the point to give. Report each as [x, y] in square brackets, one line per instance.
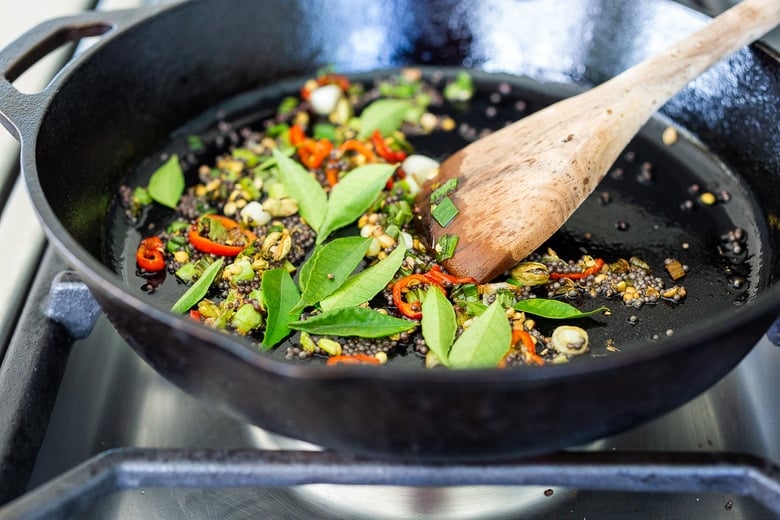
[198, 290]
[367, 283]
[304, 273]
[554, 309]
[353, 195]
[485, 342]
[330, 267]
[438, 324]
[167, 183]
[279, 297]
[354, 321]
[303, 187]
[385, 115]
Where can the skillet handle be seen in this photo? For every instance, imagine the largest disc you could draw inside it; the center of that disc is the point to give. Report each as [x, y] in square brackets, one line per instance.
[20, 112]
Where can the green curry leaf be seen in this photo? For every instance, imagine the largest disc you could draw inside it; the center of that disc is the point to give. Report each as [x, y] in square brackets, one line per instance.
[303, 187]
[353, 195]
[485, 342]
[330, 268]
[367, 283]
[554, 309]
[354, 321]
[304, 272]
[438, 324]
[198, 290]
[166, 184]
[385, 115]
[279, 297]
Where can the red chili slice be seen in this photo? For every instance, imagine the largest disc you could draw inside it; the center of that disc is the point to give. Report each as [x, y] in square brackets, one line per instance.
[411, 309]
[527, 345]
[206, 245]
[149, 255]
[332, 176]
[436, 275]
[296, 135]
[355, 359]
[312, 153]
[384, 151]
[359, 147]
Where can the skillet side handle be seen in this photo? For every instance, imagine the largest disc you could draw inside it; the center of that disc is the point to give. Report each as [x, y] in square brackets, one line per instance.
[20, 112]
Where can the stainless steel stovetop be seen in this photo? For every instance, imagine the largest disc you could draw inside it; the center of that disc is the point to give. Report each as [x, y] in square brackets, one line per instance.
[110, 399]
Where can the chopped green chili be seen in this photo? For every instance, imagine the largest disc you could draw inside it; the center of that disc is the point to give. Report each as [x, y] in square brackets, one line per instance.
[444, 212]
[445, 247]
[195, 143]
[442, 191]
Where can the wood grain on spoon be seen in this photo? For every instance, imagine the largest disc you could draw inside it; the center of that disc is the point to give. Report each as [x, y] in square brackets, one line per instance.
[518, 185]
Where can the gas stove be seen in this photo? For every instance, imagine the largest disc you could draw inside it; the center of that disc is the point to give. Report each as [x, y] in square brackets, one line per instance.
[88, 430]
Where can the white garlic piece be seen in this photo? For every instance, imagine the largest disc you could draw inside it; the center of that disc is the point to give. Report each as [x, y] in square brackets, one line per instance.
[420, 167]
[324, 99]
[253, 214]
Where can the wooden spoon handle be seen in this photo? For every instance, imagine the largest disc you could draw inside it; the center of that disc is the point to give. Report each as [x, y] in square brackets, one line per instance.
[632, 97]
[667, 73]
[532, 175]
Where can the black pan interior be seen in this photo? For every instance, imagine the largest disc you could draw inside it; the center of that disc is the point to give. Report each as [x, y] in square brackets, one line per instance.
[648, 206]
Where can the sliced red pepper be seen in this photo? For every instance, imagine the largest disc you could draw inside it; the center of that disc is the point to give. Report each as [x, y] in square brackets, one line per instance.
[313, 153]
[436, 275]
[355, 359]
[411, 309]
[205, 245]
[332, 176]
[195, 315]
[149, 255]
[594, 269]
[359, 147]
[296, 135]
[527, 345]
[384, 151]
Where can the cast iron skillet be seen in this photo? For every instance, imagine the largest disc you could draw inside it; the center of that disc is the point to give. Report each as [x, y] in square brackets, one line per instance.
[158, 68]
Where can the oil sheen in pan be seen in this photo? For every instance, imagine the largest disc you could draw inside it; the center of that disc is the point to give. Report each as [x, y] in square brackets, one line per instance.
[650, 205]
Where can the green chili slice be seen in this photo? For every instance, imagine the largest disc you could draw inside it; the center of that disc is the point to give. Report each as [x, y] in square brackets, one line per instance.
[442, 191]
[444, 212]
[445, 247]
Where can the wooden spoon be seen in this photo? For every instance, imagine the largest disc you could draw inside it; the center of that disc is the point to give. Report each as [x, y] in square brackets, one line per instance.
[518, 185]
